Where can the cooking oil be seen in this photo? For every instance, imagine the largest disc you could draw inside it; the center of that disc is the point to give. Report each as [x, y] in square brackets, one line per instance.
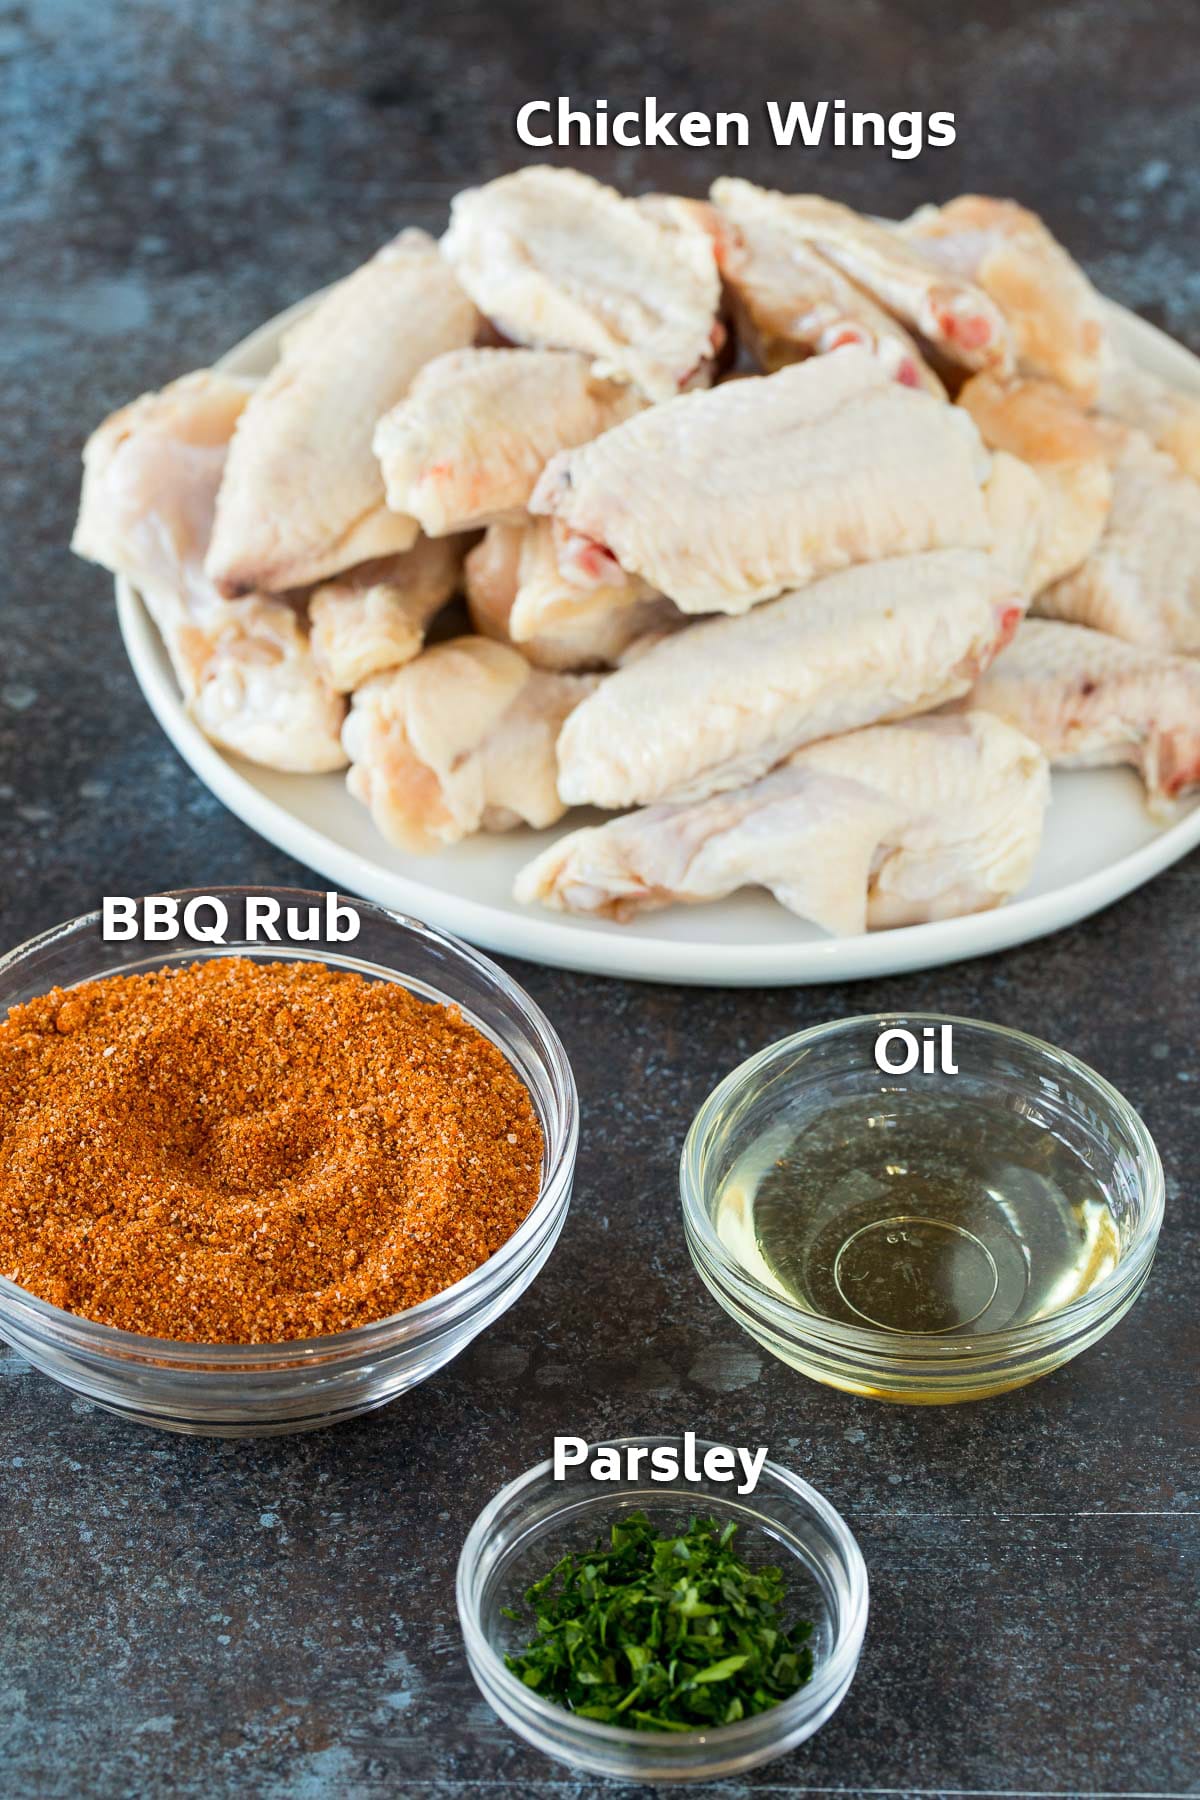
[936, 1215]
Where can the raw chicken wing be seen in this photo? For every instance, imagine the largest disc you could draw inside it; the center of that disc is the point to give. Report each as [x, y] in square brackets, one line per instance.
[514, 567]
[557, 260]
[245, 667]
[789, 302]
[374, 617]
[977, 792]
[961, 321]
[888, 826]
[1142, 582]
[726, 498]
[1070, 454]
[467, 444]
[1055, 316]
[459, 741]
[303, 495]
[1090, 700]
[1169, 417]
[719, 704]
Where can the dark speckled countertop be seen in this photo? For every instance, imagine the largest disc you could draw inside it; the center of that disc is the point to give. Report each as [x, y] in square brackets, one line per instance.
[275, 1618]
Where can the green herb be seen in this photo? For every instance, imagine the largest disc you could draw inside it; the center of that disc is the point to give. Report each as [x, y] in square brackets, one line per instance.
[662, 1633]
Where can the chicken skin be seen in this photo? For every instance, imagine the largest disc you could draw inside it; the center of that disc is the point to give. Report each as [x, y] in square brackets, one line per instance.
[789, 302]
[722, 499]
[1055, 317]
[1069, 452]
[151, 473]
[961, 322]
[375, 617]
[459, 741]
[1142, 582]
[558, 261]
[245, 667]
[1091, 700]
[466, 445]
[888, 826]
[717, 705]
[514, 567]
[1169, 417]
[303, 496]
[977, 791]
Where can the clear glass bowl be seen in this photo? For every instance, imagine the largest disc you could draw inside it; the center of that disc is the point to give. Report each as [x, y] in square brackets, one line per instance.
[231, 1390]
[535, 1520]
[798, 1079]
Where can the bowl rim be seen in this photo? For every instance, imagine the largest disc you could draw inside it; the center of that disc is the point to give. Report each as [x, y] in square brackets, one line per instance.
[1120, 1281]
[439, 1311]
[826, 1685]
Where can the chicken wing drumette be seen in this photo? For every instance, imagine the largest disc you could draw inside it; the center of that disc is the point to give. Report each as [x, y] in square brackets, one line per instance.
[245, 667]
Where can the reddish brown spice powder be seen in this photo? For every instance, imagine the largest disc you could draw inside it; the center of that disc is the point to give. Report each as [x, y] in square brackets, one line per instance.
[242, 1152]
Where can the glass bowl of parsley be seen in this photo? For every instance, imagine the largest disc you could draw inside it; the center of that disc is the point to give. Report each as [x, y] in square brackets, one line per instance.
[661, 1628]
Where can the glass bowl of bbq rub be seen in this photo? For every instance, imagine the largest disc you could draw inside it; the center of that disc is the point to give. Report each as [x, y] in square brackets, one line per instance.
[662, 1624]
[921, 1209]
[259, 1186]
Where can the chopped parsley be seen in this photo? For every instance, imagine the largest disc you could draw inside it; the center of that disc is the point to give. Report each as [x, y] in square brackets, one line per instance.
[662, 1633]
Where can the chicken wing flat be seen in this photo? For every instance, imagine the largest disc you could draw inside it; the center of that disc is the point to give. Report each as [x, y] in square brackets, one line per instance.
[1054, 315]
[719, 704]
[559, 261]
[245, 667]
[977, 792]
[790, 302]
[680, 212]
[888, 826]
[459, 741]
[514, 567]
[303, 495]
[1142, 582]
[1091, 700]
[1169, 417]
[466, 445]
[1069, 452]
[722, 499]
[375, 617]
[951, 311]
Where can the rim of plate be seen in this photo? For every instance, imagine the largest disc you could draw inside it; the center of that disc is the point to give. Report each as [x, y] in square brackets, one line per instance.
[541, 938]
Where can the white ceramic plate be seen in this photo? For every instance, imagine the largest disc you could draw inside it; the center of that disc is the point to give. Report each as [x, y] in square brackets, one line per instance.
[1099, 844]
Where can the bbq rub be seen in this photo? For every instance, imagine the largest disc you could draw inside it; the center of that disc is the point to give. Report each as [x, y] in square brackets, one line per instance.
[237, 1152]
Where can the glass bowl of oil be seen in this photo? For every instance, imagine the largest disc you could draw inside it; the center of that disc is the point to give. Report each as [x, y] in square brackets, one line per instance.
[938, 1232]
